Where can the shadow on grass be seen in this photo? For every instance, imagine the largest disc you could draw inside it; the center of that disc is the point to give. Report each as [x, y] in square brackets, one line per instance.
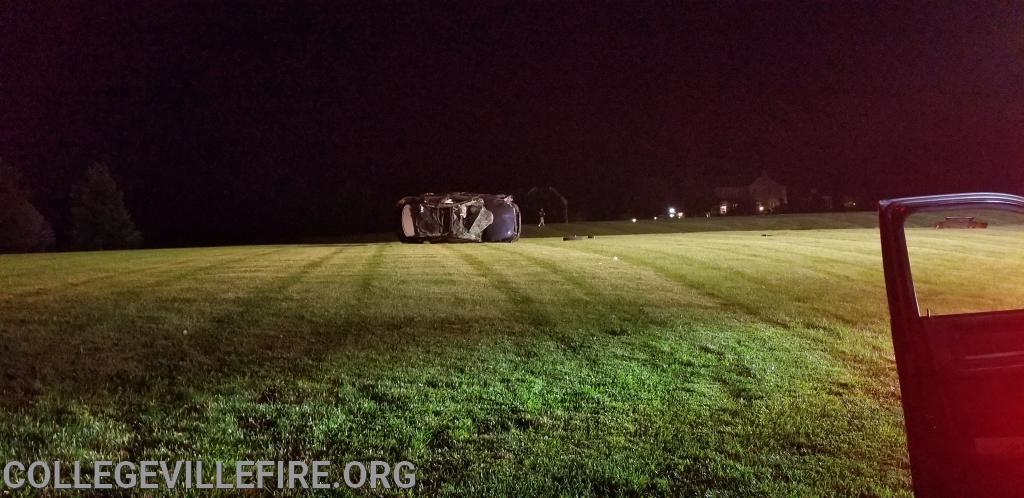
[95, 360]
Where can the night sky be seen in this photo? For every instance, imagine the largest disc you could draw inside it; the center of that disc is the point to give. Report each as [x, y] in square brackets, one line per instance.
[242, 121]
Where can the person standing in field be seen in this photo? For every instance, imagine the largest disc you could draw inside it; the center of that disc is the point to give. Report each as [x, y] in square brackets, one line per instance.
[541, 214]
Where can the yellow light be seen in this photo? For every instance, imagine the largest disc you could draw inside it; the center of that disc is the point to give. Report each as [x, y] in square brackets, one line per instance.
[634, 220]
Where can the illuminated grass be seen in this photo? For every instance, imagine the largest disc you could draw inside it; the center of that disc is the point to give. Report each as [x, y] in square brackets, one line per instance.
[720, 362]
[698, 223]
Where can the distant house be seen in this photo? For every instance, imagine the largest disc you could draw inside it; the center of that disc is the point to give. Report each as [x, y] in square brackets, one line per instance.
[762, 196]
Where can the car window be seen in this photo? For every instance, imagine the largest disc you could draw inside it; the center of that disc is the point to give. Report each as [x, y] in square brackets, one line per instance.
[967, 260]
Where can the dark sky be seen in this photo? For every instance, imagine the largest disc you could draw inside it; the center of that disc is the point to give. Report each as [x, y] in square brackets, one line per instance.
[235, 121]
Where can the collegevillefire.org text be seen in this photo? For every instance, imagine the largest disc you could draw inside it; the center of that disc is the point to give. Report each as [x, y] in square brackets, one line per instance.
[187, 474]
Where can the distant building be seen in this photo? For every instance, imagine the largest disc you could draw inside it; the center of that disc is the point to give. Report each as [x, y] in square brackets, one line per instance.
[762, 196]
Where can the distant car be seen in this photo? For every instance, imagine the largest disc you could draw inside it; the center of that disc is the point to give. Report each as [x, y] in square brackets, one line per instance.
[459, 217]
[961, 222]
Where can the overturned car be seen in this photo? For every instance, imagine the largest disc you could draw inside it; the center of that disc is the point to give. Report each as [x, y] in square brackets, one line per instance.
[961, 222]
[459, 217]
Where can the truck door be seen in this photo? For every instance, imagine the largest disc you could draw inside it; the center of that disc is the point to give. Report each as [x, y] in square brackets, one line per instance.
[954, 276]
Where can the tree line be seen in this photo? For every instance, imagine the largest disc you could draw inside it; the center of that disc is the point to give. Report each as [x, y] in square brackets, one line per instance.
[99, 218]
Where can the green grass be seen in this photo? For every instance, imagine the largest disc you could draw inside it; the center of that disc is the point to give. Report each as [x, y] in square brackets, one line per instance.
[798, 221]
[716, 363]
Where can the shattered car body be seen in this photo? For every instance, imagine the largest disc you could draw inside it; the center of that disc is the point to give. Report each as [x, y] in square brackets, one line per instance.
[459, 217]
[960, 222]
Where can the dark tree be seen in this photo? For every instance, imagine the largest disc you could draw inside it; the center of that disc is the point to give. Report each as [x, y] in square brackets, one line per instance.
[99, 217]
[22, 228]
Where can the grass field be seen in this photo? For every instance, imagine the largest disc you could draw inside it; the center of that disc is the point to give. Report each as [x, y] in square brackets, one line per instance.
[795, 221]
[716, 363]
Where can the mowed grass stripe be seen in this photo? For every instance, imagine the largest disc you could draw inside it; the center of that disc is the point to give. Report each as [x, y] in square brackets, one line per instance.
[124, 282]
[526, 310]
[13, 266]
[79, 275]
[615, 313]
[266, 301]
[750, 298]
[751, 279]
[681, 276]
[352, 294]
[63, 304]
[190, 331]
[404, 285]
[768, 276]
[95, 267]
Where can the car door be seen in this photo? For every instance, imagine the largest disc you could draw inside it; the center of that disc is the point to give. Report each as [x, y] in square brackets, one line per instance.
[956, 305]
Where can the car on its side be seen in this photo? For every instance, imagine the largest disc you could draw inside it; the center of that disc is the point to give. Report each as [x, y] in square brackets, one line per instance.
[459, 217]
[961, 222]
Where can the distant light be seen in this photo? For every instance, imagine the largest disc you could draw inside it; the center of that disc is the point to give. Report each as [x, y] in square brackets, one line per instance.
[672, 212]
[634, 220]
[760, 208]
[655, 217]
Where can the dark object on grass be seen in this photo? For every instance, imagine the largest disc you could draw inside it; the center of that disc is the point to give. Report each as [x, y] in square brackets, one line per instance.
[590, 236]
[961, 222]
[960, 374]
[571, 237]
[458, 217]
